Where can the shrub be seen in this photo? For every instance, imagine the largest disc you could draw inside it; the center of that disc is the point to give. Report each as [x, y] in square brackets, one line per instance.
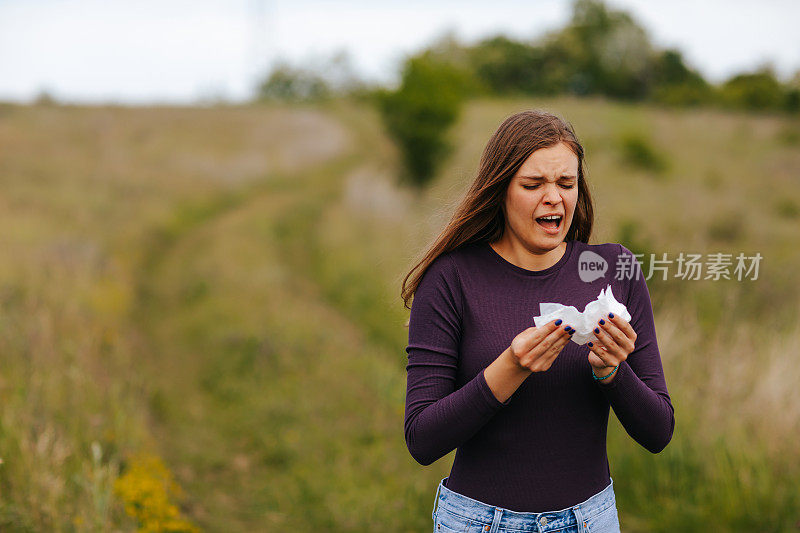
[629, 235]
[726, 228]
[419, 114]
[638, 151]
[789, 135]
[757, 90]
[291, 84]
[788, 208]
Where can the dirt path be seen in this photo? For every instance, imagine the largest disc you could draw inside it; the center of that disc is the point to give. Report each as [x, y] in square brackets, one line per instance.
[247, 361]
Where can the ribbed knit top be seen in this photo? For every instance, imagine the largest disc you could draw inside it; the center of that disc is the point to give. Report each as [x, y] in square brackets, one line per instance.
[544, 449]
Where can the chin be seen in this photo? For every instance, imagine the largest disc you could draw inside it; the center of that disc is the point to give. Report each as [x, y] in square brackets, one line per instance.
[548, 243]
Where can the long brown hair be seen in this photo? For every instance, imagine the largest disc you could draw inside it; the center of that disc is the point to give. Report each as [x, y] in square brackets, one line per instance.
[479, 217]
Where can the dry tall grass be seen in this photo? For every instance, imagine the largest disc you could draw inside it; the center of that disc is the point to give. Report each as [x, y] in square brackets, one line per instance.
[221, 287]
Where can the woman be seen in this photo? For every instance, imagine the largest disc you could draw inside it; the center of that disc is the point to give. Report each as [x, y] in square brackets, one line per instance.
[526, 409]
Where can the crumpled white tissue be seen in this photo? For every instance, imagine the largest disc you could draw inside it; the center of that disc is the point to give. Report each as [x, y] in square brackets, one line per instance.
[583, 322]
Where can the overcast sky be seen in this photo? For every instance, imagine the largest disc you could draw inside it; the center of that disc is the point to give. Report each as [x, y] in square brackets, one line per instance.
[178, 51]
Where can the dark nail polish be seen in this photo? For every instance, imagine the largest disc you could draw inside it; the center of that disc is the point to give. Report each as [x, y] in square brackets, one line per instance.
[558, 322]
[591, 344]
[610, 315]
[571, 331]
[597, 330]
[602, 321]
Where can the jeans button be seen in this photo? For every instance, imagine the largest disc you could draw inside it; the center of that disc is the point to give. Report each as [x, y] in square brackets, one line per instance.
[543, 521]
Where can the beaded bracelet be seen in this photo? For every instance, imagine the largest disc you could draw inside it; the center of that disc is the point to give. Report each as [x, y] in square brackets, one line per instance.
[596, 377]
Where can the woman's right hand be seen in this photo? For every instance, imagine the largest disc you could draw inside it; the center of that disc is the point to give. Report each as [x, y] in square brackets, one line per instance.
[536, 348]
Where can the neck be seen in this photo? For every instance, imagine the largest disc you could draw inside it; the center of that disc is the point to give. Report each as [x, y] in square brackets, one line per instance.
[518, 254]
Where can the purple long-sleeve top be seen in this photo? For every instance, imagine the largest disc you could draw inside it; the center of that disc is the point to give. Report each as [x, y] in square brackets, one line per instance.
[544, 448]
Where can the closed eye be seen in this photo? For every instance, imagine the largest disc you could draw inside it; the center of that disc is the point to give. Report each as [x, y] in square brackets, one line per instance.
[531, 187]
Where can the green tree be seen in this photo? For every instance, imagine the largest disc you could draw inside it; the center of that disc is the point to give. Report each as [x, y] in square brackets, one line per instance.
[506, 66]
[793, 93]
[609, 53]
[420, 112]
[292, 84]
[675, 83]
[756, 90]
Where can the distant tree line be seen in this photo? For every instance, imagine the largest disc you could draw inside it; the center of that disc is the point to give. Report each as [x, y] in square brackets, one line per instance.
[600, 51]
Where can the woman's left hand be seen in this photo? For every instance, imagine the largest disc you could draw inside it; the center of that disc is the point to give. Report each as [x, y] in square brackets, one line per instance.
[615, 341]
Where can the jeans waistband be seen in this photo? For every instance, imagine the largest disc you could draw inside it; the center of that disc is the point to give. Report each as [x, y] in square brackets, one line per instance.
[471, 509]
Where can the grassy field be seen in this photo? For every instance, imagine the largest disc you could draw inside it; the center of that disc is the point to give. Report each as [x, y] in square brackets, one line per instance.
[201, 316]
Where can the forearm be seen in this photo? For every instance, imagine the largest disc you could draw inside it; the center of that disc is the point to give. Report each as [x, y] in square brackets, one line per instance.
[504, 375]
[646, 415]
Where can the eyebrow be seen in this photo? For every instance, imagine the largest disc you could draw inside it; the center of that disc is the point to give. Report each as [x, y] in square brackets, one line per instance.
[541, 178]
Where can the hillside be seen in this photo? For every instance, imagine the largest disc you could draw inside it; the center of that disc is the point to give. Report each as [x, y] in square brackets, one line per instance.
[218, 288]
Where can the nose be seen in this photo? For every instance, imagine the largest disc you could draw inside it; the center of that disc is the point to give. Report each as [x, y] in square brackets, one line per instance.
[551, 194]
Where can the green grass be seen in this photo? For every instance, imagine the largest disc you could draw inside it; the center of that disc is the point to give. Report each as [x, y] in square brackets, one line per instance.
[713, 471]
[221, 287]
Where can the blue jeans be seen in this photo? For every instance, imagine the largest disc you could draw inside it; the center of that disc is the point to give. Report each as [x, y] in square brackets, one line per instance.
[455, 513]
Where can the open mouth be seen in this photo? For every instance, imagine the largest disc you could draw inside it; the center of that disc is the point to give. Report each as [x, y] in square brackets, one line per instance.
[551, 223]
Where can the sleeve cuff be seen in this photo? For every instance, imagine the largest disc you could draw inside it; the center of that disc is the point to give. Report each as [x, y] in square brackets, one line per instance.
[620, 377]
[491, 399]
